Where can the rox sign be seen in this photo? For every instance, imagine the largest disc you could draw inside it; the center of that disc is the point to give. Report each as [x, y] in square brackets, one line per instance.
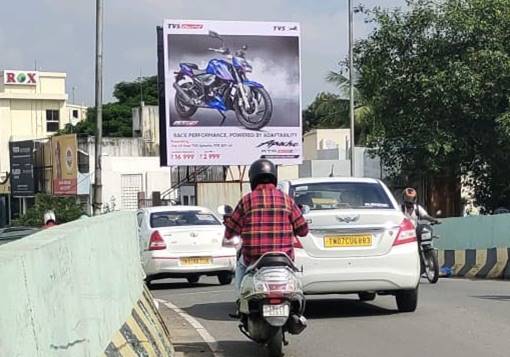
[21, 78]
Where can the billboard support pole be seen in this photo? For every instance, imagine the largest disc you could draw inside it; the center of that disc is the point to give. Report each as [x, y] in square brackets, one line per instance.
[98, 187]
[351, 85]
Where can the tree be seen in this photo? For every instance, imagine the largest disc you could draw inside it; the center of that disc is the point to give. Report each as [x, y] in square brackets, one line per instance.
[66, 209]
[117, 116]
[437, 81]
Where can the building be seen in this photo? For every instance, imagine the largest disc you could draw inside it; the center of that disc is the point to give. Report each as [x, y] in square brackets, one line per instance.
[33, 106]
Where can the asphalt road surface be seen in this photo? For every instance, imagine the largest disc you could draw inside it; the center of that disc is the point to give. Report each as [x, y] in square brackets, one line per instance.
[454, 318]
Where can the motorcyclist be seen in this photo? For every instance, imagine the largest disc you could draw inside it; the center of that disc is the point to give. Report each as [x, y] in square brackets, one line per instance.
[412, 209]
[266, 219]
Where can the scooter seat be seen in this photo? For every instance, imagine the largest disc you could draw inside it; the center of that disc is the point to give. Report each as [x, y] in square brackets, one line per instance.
[190, 65]
[273, 259]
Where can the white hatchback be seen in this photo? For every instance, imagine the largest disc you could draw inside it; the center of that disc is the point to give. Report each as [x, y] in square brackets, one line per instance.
[184, 242]
[359, 242]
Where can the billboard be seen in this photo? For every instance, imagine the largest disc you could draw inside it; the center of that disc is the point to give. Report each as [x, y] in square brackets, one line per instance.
[21, 154]
[65, 164]
[232, 92]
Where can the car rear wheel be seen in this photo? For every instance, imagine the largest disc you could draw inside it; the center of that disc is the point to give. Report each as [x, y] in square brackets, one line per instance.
[225, 278]
[366, 296]
[193, 279]
[407, 300]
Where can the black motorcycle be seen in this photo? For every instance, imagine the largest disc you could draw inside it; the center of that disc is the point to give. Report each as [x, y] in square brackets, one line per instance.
[428, 254]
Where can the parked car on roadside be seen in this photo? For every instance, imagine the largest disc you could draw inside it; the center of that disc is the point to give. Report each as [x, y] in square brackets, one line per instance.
[10, 234]
[359, 242]
[184, 242]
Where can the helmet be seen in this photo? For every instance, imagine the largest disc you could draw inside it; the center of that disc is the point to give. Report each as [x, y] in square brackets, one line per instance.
[409, 195]
[49, 216]
[262, 171]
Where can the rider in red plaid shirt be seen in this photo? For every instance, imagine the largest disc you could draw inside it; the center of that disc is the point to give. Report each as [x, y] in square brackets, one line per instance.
[266, 219]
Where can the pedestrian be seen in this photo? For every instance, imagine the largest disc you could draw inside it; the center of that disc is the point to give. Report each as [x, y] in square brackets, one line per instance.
[49, 219]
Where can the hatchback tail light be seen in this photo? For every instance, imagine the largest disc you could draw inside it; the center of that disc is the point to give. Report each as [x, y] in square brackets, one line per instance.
[156, 241]
[406, 234]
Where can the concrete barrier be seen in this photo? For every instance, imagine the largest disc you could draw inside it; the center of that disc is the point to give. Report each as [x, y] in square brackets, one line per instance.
[72, 290]
[475, 246]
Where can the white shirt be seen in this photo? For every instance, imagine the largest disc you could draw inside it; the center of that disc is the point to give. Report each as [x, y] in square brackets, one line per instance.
[415, 213]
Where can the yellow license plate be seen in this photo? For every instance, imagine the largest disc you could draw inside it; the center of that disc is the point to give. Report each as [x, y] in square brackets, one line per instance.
[361, 240]
[196, 261]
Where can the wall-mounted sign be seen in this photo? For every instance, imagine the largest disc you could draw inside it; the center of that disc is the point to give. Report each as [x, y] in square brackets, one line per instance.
[22, 168]
[65, 164]
[24, 78]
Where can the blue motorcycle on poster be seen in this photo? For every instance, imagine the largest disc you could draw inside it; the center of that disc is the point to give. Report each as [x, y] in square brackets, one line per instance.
[223, 86]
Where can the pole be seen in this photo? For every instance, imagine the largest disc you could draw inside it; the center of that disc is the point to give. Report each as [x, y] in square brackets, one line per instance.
[98, 186]
[351, 85]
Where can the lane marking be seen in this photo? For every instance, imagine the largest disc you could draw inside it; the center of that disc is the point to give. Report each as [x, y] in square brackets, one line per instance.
[202, 331]
[204, 292]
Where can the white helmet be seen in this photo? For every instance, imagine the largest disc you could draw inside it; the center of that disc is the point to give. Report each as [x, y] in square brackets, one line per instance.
[49, 216]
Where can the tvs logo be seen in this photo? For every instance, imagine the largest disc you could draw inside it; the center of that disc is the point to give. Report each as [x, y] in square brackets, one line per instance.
[186, 26]
[280, 28]
[20, 78]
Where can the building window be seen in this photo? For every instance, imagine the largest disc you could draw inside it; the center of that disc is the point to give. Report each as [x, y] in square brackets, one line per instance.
[75, 114]
[52, 120]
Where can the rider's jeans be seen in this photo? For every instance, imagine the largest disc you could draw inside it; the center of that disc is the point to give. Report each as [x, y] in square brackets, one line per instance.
[240, 272]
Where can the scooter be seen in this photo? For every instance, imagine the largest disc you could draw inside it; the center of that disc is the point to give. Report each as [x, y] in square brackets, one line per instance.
[271, 301]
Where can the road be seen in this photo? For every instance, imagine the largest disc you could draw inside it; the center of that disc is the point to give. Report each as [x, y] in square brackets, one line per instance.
[454, 318]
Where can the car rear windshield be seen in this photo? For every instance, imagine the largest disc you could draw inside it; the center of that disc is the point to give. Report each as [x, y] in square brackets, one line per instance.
[341, 195]
[183, 218]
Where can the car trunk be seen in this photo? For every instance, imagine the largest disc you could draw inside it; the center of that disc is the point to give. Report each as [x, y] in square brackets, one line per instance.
[192, 239]
[351, 233]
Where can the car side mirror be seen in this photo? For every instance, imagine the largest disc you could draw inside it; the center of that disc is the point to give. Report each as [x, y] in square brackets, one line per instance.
[225, 210]
[305, 209]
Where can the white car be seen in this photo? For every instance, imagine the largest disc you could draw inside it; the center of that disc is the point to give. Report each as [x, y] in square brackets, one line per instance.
[184, 242]
[359, 242]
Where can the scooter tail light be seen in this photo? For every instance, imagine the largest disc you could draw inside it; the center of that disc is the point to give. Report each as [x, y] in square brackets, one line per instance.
[406, 233]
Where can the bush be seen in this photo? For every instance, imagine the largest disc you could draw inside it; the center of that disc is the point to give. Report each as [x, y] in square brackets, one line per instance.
[66, 209]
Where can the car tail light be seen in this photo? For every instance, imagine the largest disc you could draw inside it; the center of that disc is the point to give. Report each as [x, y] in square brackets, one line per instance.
[297, 244]
[406, 234]
[156, 242]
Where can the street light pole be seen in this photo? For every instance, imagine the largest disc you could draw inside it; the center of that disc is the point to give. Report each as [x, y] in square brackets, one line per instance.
[98, 186]
[351, 85]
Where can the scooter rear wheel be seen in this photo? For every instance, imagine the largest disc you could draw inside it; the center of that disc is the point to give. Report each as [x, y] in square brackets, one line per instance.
[275, 344]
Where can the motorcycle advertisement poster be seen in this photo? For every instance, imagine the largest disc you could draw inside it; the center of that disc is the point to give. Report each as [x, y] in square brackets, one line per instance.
[232, 92]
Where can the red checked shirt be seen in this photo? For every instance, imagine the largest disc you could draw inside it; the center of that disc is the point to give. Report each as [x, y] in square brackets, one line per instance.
[267, 220]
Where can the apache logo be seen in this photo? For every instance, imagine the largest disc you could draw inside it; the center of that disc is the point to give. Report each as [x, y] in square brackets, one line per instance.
[269, 144]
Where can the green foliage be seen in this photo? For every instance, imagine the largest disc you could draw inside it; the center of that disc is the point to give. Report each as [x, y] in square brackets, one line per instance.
[437, 81]
[117, 116]
[66, 209]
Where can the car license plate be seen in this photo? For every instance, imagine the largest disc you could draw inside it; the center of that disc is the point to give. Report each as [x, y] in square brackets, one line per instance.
[361, 240]
[275, 310]
[196, 261]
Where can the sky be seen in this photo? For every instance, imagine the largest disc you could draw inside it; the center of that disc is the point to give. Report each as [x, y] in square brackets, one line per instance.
[59, 35]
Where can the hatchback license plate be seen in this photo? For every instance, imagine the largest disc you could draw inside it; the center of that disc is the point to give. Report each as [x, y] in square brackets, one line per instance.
[361, 240]
[276, 310]
[196, 261]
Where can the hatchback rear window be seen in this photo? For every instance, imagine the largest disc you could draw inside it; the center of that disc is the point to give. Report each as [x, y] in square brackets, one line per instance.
[341, 195]
[184, 218]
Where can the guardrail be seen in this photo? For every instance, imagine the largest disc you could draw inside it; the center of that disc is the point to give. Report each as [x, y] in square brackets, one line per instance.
[475, 246]
[77, 290]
